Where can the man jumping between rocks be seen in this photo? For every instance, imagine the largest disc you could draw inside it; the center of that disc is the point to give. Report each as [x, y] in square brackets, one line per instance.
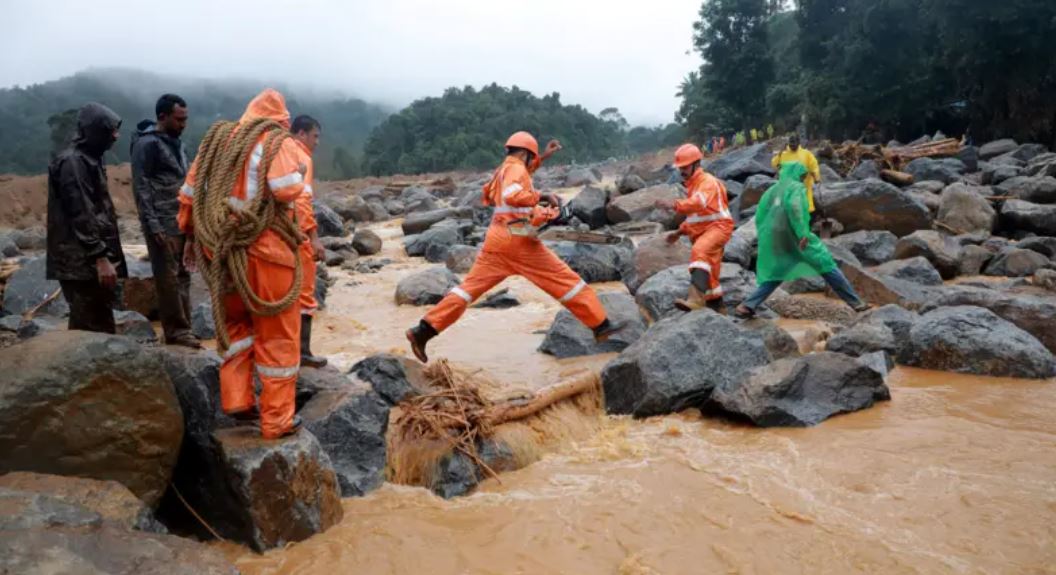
[506, 253]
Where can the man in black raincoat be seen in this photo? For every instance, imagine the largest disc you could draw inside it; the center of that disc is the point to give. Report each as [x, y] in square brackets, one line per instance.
[84, 248]
[159, 166]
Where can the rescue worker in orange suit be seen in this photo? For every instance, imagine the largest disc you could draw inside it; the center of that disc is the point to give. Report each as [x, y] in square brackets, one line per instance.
[507, 253]
[270, 345]
[708, 223]
[306, 131]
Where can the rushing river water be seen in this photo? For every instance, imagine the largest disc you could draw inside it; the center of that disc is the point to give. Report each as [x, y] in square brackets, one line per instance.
[957, 474]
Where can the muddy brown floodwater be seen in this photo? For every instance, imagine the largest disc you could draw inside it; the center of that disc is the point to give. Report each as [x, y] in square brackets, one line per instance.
[957, 474]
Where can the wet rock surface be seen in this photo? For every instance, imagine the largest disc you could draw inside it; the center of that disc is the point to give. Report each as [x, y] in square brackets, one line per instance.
[350, 426]
[872, 204]
[678, 362]
[803, 391]
[967, 339]
[425, 288]
[92, 405]
[568, 337]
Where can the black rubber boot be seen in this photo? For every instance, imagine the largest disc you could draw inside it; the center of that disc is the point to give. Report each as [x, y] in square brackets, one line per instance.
[297, 423]
[607, 329]
[249, 416]
[307, 359]
[716, 305]
[418, 336]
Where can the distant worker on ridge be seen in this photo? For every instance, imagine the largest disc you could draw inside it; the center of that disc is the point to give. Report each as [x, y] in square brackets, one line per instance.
[507, 253]
[709, 224]
[84, 246]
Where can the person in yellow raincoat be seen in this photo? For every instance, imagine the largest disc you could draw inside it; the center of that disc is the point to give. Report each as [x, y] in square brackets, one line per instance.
[796, 153]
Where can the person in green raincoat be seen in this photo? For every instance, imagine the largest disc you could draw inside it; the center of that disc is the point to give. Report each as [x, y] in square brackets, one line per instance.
[788, 250]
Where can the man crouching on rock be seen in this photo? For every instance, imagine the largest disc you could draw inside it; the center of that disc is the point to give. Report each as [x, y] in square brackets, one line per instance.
[506, 253]
[708, 224]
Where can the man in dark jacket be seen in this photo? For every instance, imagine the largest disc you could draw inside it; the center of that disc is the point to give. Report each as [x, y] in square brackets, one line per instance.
[84, 248]
[159, 166]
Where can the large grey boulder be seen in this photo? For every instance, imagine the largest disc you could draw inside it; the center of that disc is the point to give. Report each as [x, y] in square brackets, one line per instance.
[50, 500]
[418, 222]
[95, 550]
[597, 262]
[92, 405]
[893, 317]
[418, 199]
[743, 244]
[589, 206]
[657, 295]
[133, 325]
[581, 176]
[873, 205]
[435, 243]
[967, 339]
[8, 247]
[741, 163]
[568, 337]
[1033, 314]
[966, 209]
[754, 188]
[678, 362]
[1044, 245]
[863, 338]
[31, 239]
[803, 391]
[426, 287]
[778, 342]
[1029, 217]
[864, 170]
[1016, 263]
[393, 378]
[917, 270]
[640, 206]
[28, 287]
[350, 425]
[629, 184]
[945, 170]
[870, 247]
[366, 242]
[996, 148]
[939, 249]
[653, 255]
[460, 258]
[1039, 190]
[1027, 152]
[282, 490]
[330, 223]
[973, 259]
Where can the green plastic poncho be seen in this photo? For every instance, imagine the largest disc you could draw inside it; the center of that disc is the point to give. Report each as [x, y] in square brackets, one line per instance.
[782, 219]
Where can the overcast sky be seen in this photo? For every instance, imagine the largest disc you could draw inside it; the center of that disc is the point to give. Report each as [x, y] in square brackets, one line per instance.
[597, 53]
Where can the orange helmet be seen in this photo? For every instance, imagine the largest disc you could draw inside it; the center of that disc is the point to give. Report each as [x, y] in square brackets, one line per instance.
[686, 154]
[523, 140]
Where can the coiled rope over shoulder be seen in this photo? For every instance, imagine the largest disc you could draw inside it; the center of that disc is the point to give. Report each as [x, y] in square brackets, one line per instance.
[223, 234]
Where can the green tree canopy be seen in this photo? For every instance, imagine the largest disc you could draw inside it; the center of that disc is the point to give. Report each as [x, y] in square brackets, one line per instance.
[466, 128]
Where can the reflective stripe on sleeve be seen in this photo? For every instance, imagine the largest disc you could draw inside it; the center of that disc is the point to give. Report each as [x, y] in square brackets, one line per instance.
[462, 294]
[573, 292]
[291, 179]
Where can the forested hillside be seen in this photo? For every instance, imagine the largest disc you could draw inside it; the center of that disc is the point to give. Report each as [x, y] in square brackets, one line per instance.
[35, 118]
[905, 66]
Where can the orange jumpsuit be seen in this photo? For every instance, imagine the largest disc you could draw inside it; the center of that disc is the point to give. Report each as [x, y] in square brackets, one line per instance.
[271, 345]
[709, 224]
[306, 219]
[504, 254]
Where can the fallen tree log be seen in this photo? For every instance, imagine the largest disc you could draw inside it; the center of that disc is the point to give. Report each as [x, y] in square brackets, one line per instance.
[897, 178]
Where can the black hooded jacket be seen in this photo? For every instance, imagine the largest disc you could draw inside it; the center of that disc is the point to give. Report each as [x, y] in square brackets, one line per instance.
[82, 223]
[159, 166]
